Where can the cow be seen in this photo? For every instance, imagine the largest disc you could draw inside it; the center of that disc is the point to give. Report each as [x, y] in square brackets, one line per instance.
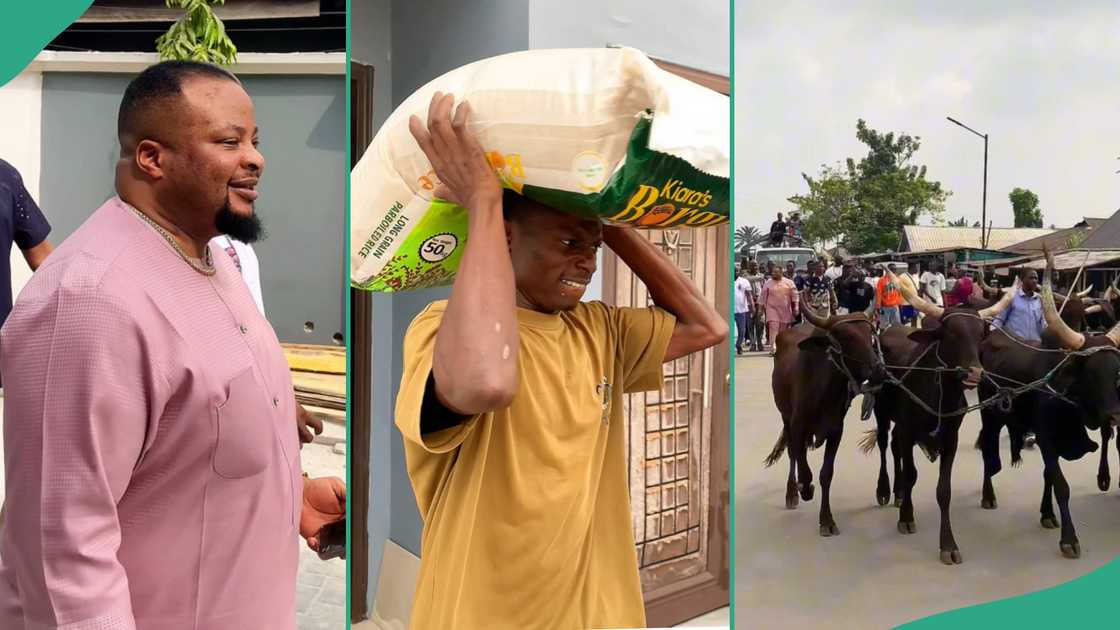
[1088, 367]
[994, 355]
[935, 365]
[819, 368]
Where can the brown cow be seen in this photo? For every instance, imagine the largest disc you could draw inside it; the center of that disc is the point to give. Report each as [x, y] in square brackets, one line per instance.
[819, 367]
[917, 356]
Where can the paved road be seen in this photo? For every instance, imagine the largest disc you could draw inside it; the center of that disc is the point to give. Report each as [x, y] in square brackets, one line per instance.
[870, 576]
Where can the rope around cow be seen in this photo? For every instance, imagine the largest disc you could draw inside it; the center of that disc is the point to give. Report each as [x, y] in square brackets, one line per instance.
[1004, 395]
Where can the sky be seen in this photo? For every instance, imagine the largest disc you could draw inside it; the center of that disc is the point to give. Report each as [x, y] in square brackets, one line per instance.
[1042, 79]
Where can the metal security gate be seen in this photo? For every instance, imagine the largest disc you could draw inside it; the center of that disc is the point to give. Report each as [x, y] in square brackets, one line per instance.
[677, 444]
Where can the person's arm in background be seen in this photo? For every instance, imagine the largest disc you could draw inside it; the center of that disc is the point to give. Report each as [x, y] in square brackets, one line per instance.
[698, 324]
[37, 254]
[474, 362]
[879, 287]
[794, 301]
[30, 227]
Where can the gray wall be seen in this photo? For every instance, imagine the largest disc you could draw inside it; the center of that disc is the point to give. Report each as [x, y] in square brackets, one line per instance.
[370, 45]
[695, 34]
[302, 121]
[432, 37]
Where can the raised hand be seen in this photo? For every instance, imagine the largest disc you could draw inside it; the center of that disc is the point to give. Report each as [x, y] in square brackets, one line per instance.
[466, 176]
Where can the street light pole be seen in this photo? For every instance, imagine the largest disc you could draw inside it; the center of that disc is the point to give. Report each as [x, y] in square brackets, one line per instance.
[984, 201]
[984, 230]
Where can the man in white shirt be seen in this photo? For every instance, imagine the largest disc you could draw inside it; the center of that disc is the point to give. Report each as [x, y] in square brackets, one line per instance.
[744, 307]
[836, 271]
[933, 284]
[245, 259]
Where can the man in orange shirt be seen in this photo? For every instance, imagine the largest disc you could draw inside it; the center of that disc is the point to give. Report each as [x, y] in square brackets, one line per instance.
[888, 299]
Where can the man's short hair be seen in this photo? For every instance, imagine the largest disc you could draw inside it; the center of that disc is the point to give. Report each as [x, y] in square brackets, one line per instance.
[156, 87]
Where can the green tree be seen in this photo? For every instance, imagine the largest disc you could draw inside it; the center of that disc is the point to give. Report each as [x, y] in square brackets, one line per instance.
[197, 36]
[961, 222]
[1024, 204]
[745, 236]
[824, 209]
[864, 204]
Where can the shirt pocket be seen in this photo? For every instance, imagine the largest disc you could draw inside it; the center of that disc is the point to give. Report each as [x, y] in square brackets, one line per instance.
[244, 445]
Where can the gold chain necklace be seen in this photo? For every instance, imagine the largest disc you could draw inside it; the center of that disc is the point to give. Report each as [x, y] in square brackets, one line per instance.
[205, 265]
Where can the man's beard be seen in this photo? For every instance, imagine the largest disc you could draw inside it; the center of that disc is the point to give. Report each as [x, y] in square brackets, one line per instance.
[244, 228]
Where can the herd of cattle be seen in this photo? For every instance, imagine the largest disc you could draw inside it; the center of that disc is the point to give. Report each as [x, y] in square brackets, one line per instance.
[915, 380]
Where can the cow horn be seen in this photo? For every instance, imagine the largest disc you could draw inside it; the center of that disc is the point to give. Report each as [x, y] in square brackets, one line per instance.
[1000, 306]
[814, 319]
[1096, 308]
[911, 296]
[984, 285]
[1086, 292]
[1067, 337]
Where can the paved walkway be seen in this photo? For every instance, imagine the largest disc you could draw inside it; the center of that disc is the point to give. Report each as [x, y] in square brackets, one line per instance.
[321, 592]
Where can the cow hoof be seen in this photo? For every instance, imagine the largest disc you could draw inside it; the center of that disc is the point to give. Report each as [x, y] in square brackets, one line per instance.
[1071, 550]
[907, 527]
[951, 557]
[1049, 522]
[883, 499]
[1103, 483]
[989, 504]
[807, 492]
[830, 530]
[791, 502]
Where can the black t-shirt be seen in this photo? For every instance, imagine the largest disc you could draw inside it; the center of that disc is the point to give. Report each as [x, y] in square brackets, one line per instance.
[855, 295]
[21, 223]
[778, 227]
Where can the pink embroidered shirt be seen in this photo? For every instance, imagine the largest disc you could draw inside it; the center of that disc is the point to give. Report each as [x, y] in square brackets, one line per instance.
[153, 477]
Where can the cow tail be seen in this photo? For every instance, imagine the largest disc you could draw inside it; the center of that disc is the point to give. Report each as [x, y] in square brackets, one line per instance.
[779, 447]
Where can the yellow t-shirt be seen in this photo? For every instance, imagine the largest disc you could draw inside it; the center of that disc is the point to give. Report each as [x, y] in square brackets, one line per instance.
[526, 510]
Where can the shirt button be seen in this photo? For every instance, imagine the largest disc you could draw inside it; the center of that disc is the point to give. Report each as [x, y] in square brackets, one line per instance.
[275, 402]
[244, 330]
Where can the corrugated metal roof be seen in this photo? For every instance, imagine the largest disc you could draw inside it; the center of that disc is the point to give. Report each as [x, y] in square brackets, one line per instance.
[926, 237]
[1107, 235]
[1073, 259]
[1059, 239]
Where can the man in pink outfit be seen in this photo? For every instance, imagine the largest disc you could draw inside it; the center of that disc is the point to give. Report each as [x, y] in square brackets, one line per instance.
[153, 472]
[780, 300]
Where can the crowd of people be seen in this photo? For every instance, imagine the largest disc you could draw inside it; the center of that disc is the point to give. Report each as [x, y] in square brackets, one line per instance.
[767, 300]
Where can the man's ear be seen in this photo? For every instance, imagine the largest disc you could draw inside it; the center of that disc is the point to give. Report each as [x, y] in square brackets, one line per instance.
[815, 343]
[150, 157]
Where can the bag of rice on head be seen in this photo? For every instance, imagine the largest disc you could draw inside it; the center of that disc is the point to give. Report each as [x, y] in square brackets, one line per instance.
[601, 133]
